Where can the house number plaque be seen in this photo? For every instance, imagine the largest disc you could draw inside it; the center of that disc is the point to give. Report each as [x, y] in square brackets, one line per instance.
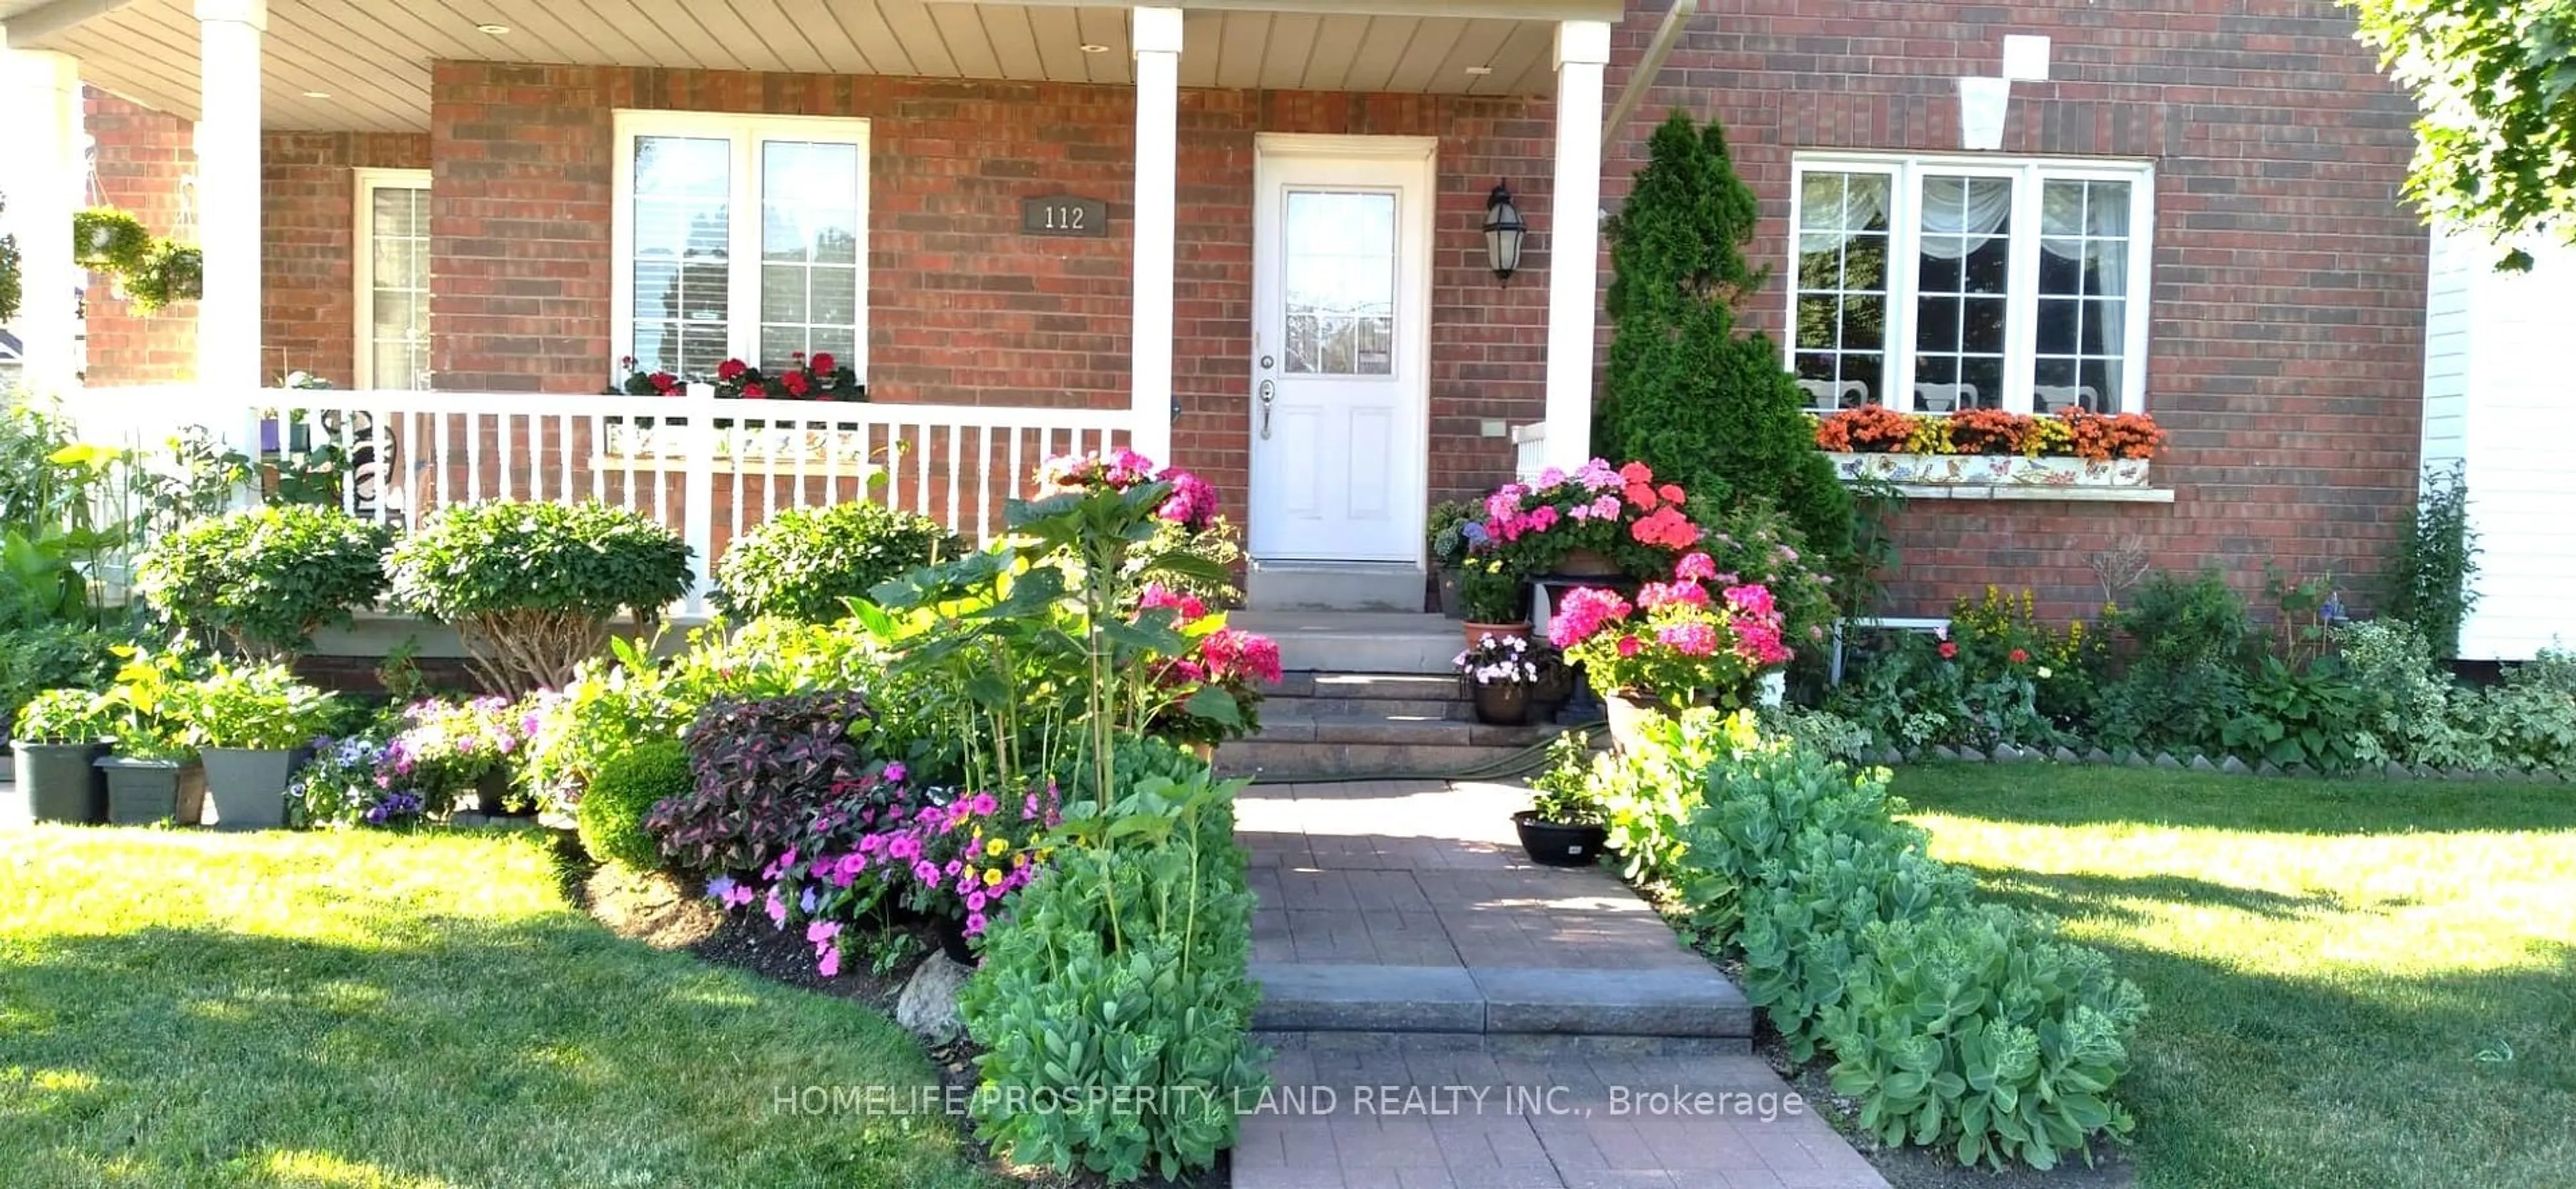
[1062, 215]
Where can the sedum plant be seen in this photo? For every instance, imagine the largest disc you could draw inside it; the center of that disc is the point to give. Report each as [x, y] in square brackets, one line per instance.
[1123, 965]
[807, 563]
[531, 587]
[264, 580]
[1976, 1030]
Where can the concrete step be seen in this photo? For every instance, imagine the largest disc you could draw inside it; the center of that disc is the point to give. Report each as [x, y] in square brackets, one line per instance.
[1335, 586]
[1688, 1003]
[1375, 642]
[1279, 761]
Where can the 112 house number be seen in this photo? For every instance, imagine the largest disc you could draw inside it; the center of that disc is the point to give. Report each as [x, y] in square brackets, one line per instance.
[1064, 216]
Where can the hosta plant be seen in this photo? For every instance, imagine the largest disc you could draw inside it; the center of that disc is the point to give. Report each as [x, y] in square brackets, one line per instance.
[532, 587]
[1976, 1030]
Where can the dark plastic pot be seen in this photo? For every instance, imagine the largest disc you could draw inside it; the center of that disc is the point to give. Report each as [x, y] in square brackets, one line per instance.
[1502, 703]
[141, 792]
[248, 786]
[1554, 844]
[1452, 603]
[61, 782]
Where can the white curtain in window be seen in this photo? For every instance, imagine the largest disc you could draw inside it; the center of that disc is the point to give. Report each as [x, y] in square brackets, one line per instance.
[1961, 214]
[2105, 246]
[1824, 227]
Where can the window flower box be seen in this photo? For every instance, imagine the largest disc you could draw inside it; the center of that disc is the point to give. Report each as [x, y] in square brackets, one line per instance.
[750, 446]
[1988, 470]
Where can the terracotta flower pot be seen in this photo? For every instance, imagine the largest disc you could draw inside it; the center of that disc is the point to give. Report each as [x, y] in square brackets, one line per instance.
[1502, 703]
[1477, 631]
[1628, 713]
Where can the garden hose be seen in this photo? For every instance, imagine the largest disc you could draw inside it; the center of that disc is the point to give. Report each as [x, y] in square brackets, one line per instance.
[1522, 761]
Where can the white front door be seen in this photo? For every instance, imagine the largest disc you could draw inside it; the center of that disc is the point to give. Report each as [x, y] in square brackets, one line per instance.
[1341, 338]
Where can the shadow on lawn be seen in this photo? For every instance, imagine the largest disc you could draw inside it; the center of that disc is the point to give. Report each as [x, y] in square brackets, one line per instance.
[450, 1049]
[2059, 796]
[2451, 1079]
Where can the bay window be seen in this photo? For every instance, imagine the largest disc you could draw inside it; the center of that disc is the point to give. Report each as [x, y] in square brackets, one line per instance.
[1933, 284]
[740, 237]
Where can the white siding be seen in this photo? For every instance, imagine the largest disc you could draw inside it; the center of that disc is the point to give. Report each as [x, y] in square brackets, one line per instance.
[2505, 357]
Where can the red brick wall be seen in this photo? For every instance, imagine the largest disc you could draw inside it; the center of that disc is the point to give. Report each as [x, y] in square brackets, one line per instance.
[308, 245]
[142, 155]
[2286, 353]
[963, 308]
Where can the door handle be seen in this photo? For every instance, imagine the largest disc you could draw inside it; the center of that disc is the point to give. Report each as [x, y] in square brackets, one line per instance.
[1269, 390]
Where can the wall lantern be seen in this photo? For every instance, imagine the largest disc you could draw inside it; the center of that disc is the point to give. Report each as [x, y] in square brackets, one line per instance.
[1504, 232]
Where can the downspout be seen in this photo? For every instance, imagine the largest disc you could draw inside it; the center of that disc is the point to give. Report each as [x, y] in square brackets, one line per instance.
[1642, 79]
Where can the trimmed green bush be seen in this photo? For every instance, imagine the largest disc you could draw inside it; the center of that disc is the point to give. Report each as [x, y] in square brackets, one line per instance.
[265, 580]
[623, 794]
[1704, 406]
[531, 587]
[805, 563]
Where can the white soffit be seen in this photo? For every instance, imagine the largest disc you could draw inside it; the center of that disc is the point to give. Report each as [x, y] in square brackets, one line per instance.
[371, 58]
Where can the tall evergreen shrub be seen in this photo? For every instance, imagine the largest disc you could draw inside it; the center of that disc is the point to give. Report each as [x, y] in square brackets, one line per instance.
[1706, 407]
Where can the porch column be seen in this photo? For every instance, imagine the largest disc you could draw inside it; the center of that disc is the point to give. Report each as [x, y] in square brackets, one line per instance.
[1157, 37]
[1574, 244]
[40, 131]
[228, 316]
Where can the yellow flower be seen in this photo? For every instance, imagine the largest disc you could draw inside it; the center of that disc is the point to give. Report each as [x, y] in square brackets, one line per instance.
[1019, 860]
[993, 877]
[996, 847]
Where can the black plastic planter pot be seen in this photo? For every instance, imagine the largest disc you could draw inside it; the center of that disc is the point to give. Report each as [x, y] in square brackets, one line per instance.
[248, 786]
[61, 781]
[1553, 844]
[141, 792]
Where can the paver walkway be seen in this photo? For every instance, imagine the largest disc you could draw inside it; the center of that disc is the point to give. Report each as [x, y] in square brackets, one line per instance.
[1451, 1016]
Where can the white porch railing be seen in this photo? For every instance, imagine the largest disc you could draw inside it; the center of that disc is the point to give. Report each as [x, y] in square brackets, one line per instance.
[709, 468]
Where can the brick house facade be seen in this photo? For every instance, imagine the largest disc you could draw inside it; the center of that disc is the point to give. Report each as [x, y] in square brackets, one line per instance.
[2287, 284]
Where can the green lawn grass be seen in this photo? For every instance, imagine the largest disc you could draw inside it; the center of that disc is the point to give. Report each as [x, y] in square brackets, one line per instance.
[420, 1010]
[2357, 983]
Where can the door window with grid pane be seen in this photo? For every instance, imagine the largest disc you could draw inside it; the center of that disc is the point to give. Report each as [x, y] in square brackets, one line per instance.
[392, 279]
[741, 237]
[1938, 284]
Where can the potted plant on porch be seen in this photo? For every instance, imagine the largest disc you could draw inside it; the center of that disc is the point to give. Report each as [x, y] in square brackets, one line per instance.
[1676, 646]
[154, 774]
[1499, 671]
[1446, 528]
[58, 738]
[250, 722]
[1495, 597]
[1564, 825]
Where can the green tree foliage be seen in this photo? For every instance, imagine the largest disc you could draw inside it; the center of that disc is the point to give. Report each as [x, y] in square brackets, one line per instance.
[1706, 407]
[2496, 79]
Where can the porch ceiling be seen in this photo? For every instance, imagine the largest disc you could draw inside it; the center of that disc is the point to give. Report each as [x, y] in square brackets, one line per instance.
[364, 65]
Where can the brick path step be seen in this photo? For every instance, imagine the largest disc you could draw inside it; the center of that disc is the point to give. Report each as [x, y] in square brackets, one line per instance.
[1677, 1003]
[1324, 723]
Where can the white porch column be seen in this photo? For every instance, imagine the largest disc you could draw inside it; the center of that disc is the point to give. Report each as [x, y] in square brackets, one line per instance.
[1574, 244]
[40, 139]
[1157, 37]
[228, 228]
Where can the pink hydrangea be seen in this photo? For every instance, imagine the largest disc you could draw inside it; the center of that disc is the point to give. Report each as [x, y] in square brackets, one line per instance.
[1158, 596]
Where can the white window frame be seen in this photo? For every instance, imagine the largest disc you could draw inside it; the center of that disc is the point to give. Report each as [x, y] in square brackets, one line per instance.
[2021, 286]
[746, 133]
[362, 364]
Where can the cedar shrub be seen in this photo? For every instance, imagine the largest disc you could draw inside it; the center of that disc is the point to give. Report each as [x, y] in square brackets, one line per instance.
[1703, 405]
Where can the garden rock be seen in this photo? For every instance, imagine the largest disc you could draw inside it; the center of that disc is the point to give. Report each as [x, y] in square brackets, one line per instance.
[2202, 764]
[2398, 771]
[2166, 761]
[1972, 755]
[2066, 755]
[2267, 768]
[928, 1005]
[2235, 767]
[1944, 751]
[2099, 756]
